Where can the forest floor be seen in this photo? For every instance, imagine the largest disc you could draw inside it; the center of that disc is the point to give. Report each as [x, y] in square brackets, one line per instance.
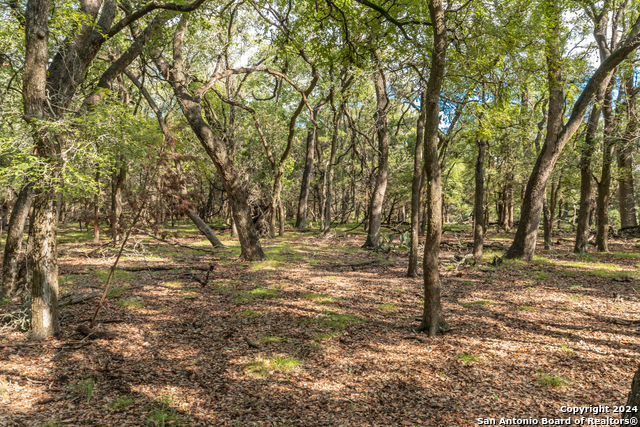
[322, 334]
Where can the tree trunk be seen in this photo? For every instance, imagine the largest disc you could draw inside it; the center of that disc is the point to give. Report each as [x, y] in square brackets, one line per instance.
[13, 245]
[478, 204]
[604, 185]
[432, 317]
[546, 224]
[117, 182]
[312, 135]
[331, 170]
[625, 160]
[380, 188]
[282, 218]
[416, 190]
[215, 148]
[96, 200]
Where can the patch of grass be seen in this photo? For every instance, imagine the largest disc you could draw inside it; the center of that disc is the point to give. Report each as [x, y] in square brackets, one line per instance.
[477, 303]
[249, 314]
[612, 274]
[188, 295]
[525, 307]
[4, 301]
[567, 273]
[86, 387]
[131, 303]
[399, 290]
[284, 364]
[51, 424]
[115, 292]
[565, 348]
[541, 275]
[174, 284]
[122, 402]
[632, 255]
[247, 297]
[468, 283]
[336, 320]
[320, 299]
[118, 275]
[551, 380]
[388, 307]
[274, 338]
[162, 413]
[467, 358]
[268, 265]
[259, 368]
[579, 297]
[325, 336]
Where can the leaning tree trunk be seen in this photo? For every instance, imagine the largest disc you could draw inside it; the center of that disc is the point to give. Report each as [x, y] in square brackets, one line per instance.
[171, 142]
[380, 188]
[558, 135]
[478, 203]
[432, 317]
[251, 250]
[13, 245]
[416, 190]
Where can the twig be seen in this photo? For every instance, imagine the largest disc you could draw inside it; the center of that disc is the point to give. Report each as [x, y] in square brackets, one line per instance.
[113, 268]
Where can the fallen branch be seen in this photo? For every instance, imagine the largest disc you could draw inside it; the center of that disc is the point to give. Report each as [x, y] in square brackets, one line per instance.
[193, 248]
[76, 299]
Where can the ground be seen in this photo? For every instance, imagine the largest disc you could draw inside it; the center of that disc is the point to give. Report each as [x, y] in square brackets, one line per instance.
[323, 334]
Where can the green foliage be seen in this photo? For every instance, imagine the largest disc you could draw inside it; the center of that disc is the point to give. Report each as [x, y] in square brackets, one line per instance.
[86, 387]
[552, 380]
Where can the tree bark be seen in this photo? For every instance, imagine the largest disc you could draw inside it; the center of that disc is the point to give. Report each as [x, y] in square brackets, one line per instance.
[96, 222]
[117, 182]
[13, 245]
[432, 318]
[604, 185]
[312, 135]
[331, 170]
[478, 205]
[380, 188]
[416, 190]
[625, 160]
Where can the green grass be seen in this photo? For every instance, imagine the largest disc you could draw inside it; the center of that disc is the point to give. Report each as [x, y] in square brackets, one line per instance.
[565, 348]
[130, 303]
[115, 292]
[525, 307]
[334, 319]
[269, 264]
[246, 297]
[122, 402]
[321, 299]
[174, 284]
[51, 424]
[188, 295]
[4, 301]
[249, 314]
[86, 387]
[468, 283]
[467, 358]
[388, 307]
[579, 297]
[162, 413]
[262, 368]
[477, 303]
[632, 255]
[551, 380]
[274, 338]
[567, 273]
[118, 275]
[541, 275]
